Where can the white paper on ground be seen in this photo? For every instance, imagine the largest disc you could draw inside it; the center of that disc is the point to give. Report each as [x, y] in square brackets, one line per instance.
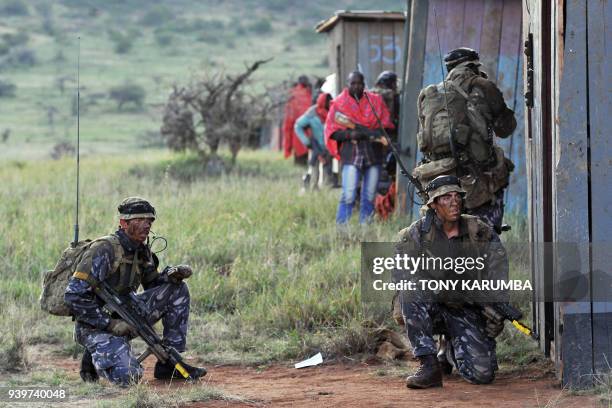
[312, 361]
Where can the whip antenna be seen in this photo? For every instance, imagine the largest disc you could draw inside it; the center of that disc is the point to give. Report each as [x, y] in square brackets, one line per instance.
[78, 89]
[450, 126]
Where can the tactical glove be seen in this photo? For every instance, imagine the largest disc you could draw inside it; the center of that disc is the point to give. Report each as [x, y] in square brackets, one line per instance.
[179, 272]
[121, 328]
[493, 328]
[495, 322]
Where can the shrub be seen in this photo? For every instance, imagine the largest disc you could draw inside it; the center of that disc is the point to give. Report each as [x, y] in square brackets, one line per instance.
[15, 8]
[163, 38]
[123, 42]
[25, 56]
[7, 89]
[305, 36]
[261, 26]
[157, 16]
[13, 40]
[62, 149]
[207, 25]
[128, 93]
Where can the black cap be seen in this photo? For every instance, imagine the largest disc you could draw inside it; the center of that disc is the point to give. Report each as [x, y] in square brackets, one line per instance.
[459, 55]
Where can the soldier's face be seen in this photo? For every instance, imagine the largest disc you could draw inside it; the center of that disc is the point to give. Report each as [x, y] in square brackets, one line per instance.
[137, 228]
[448, 207]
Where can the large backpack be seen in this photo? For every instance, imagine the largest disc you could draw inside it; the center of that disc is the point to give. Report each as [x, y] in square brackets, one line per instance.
[468, 123]
[56, 280]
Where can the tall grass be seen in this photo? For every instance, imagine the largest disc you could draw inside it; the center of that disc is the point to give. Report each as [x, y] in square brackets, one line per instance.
[273, 280]
[268, 263]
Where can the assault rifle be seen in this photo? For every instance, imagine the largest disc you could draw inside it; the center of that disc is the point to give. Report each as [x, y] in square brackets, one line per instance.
[129, 309]
[510, 313]
[370, 135]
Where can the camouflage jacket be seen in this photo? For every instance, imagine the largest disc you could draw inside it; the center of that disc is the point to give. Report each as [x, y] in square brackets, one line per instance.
[98, 261]
[475, 239]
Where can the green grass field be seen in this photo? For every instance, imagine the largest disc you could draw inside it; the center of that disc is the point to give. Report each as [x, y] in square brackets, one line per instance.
[273, 279]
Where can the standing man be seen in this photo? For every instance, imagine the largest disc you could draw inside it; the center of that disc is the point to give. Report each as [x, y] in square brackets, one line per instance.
[125, 261]
[470, 332]
[300, 99]
[352, 129]
[313, 120]
[459, 119]
[386, 86]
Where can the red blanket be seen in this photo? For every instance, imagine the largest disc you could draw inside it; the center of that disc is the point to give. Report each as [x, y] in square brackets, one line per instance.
[358, 112]
[299, 101]
[320, 106]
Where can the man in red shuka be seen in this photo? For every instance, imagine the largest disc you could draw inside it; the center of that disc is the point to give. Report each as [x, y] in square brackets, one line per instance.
[300, 99]
[360, 147]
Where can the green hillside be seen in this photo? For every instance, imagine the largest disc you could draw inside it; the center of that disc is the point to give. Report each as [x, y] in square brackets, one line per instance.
[151, 44]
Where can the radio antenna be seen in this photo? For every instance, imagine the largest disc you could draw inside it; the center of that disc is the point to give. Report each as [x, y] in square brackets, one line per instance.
[78, 156]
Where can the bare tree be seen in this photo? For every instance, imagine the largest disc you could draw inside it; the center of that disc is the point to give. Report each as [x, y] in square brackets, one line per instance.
[212, 110]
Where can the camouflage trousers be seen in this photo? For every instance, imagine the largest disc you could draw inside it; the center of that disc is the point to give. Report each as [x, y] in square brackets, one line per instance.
[492, 214]
[473, 352]
[112, 355]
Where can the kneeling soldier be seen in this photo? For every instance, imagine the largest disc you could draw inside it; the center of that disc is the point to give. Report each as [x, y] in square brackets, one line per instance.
[471, 334]
[125, 261]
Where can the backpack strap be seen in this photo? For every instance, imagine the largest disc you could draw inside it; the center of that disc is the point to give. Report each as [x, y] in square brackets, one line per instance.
[458, 89]
[118, 252]
[478, 231]
[118, 255]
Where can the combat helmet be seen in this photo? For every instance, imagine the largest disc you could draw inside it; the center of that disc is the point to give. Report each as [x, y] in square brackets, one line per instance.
[459, 55]
[443, 185]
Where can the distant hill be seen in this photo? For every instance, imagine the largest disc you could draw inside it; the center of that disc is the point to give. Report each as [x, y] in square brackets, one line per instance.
[148, 45]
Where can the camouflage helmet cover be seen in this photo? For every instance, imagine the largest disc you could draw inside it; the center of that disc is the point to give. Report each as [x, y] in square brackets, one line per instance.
[442, 185]
[459, 55]
[135, 207]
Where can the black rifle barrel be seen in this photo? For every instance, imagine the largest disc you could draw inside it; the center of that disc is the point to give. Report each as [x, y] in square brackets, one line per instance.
[130, 314]
[415, 182]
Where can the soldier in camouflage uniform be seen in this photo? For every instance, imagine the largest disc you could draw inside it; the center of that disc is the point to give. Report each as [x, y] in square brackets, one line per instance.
[477, 114]
[471, 334]
[125, 261]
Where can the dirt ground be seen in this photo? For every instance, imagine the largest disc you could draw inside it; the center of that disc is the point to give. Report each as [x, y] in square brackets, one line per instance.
[358, 384]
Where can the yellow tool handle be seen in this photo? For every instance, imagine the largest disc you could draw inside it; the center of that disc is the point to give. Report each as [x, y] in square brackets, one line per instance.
[521, 328]
[181, 370]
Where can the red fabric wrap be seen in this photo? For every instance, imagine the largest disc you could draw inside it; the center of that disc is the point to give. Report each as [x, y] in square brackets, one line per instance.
[358, 112]
[299, 101]
[321, 109]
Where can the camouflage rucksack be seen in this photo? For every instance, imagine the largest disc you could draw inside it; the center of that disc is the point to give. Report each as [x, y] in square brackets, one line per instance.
[470, 126]
[56, 281]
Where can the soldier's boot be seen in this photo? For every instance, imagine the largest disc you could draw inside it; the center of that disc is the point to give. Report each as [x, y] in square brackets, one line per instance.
[428, 375]
[443, 352]
[88, 371]
[168, 372]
